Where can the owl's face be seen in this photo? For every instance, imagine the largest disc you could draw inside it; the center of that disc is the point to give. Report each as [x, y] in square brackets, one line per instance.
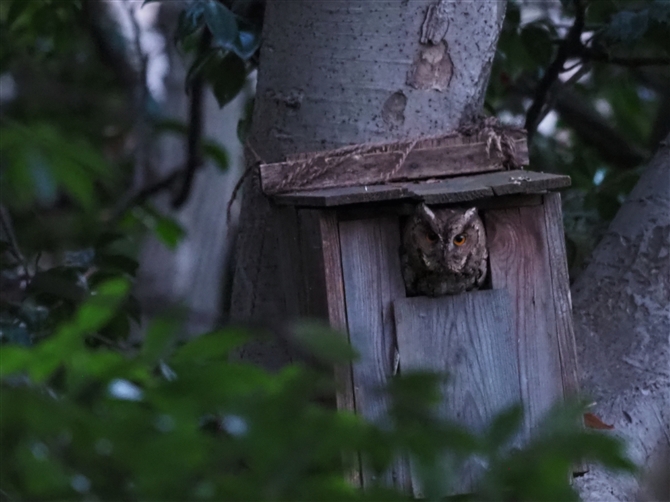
[447, 238]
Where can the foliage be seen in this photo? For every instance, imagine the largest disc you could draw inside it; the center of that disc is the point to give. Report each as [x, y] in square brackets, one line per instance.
[606, 112]
[224, 44]
[182, 421]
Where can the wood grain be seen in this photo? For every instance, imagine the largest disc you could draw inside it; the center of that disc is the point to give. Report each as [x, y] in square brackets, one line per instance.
[372, 280]
[560, 285]
[519, 262]
[448, 155]
[446, 191]
[468, 336]
[560, 282]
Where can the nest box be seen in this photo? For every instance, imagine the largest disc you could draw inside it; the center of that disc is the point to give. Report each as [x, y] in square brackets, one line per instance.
[512, 342]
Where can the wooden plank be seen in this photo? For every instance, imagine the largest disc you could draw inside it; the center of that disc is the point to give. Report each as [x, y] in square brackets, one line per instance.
[519, 262]
[448, 155]
[452, 191]
[468, 336]
[331, 197]
[290, 268]
[518, 181]
[322, 248]
[372, 280]
[560, 285]
[446, 191]
[560, 282]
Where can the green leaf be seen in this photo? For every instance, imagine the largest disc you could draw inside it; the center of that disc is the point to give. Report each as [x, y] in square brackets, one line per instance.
[228, 78]
[169, 231]
[504, 426]
[217, 153]
[323, 342]
[537, 42]
[158, 339]
[248, 40]
[214, 346]
[222, 23]
[627, 26]
[191, 20]
[117, 263]
[13, 359]
[166, 229]
[244, 125]
[101, 306]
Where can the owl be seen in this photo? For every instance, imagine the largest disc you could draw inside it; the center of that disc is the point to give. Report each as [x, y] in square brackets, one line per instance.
[443, 251]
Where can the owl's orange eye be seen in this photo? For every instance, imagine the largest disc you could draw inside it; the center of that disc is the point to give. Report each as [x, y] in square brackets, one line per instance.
[459, 240]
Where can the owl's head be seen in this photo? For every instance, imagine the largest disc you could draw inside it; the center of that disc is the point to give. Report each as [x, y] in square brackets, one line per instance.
[447, 238]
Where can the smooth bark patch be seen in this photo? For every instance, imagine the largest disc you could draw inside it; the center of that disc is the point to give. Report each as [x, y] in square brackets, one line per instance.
[432, 68]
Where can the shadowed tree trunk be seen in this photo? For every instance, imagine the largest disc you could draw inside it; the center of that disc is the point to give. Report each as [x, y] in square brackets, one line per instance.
[351, 72]
[192, 276]
[622, 324]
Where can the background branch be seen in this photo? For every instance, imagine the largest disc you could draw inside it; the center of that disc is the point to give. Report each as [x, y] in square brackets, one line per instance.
[567, 48]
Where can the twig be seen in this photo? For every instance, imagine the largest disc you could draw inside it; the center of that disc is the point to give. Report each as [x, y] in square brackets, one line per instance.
[195, 127]
[570, 45]
[254, 165]
[145, 193]
[14, 249]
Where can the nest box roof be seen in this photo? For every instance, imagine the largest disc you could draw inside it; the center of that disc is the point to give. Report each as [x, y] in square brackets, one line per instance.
[464, 165]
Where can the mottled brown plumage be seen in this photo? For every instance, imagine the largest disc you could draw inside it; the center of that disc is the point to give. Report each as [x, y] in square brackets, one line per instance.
[443, 252]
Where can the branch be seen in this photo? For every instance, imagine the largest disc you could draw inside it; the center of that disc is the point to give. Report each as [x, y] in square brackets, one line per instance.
[570, 45]
[145, 193]
[195, 126]
[14, 249]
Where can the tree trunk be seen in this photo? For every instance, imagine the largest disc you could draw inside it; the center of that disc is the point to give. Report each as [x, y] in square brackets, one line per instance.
[351, 72]
[622, 325]
[192, 276]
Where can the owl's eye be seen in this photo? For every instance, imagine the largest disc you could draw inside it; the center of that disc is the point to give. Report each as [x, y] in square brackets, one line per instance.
[432, 237]
[459, 240]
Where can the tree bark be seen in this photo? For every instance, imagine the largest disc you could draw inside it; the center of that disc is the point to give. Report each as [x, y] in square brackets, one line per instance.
[351, 72]
[622, 326]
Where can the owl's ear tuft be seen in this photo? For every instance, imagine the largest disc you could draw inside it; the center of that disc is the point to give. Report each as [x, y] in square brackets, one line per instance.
[470, 214]
[427, 213]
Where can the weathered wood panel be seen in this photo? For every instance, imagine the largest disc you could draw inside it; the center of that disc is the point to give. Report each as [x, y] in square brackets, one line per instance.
[324, 298]
[446, 191]
[331, 197]
[519, 262]
[448, 155]
[466, 188]
[560, 285]
[372, 280]
[468, 336]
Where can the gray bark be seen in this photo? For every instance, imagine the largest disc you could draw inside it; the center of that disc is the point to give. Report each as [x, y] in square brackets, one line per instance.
[622, 325]
[335, 73]
[192, 276]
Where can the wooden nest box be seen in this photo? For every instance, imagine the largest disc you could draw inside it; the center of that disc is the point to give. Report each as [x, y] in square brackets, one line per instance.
[511, 341]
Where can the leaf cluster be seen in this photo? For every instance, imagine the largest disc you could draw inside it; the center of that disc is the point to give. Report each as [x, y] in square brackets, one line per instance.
[184, 421]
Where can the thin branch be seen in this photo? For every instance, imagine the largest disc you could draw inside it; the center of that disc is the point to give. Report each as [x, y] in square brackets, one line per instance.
[195, 129]
[146, 193]
[568, 47]
[14, 249]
